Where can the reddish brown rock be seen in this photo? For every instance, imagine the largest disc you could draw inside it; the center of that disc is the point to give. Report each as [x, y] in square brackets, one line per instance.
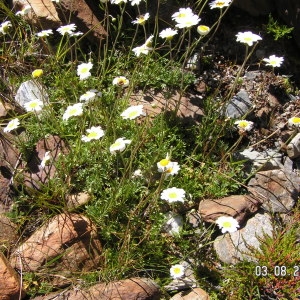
[37, 175]
[195, 294]
[187, 106]
[10, 288]
[237, 206]
[129, 289]
[83, 16]
[42, 12]
[278, 190]
[68, 242]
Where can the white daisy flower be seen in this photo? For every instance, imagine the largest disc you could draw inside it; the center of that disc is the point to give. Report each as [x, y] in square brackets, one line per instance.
[13, 124]
[133, 112]
[177, 271]
[141, 20]
[172, 169]
[34, 105]
[244, 125]
[90, 95]
[173, 195]
[45, 159]
[247, 37]
[219, 3]
[274, 61]
[168, 34]
[137, 173]
[66, 29]
[182, 14]
[94, 133]
[188, 22]
[118, 1]
[4, 27]
[294, 121]
[164, 164]
[45, 33]
[119, 145]
[83, 70]
[25, 10]
[121, 81]
[228, 224]
[73, 110]
[135, 2]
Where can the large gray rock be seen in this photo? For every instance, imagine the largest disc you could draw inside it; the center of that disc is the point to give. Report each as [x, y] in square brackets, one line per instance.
[278, 190]
[30, 90]
[235, 246]
[239, 105]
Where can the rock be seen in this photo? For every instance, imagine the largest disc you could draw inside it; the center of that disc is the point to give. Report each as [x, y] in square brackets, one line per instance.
[129, 289]
[8, 233]
[155, 103]
[80, 13]
[173, 224]
[236, 246]
[30, 90]
[238, 106]
[278, 190]
[42, 12]
[4, 109]
[194, 294]
[236, 206]
[36, 174]
[47, 14]
[67, 243]
[74, 201]
[186, 282]
[293, 148]
[10, 283]
[265, 160]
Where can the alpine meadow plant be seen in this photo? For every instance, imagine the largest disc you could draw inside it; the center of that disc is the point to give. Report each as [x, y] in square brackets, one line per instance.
[142, 166]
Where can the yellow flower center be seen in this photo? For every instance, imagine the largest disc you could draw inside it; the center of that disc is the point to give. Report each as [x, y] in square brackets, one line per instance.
[296, 120]
[243, 124]
[169, 170]
[164, 162]
[173, 195]
[226, 224]
[177, 270]
[132, 114]
[92, 134]
[220, 3]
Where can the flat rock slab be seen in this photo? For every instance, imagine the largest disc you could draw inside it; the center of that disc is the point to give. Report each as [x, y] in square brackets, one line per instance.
[66, 243]
[156, 102]
[236, 206]
[129, 289]
[233, 247]
[278, 190]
